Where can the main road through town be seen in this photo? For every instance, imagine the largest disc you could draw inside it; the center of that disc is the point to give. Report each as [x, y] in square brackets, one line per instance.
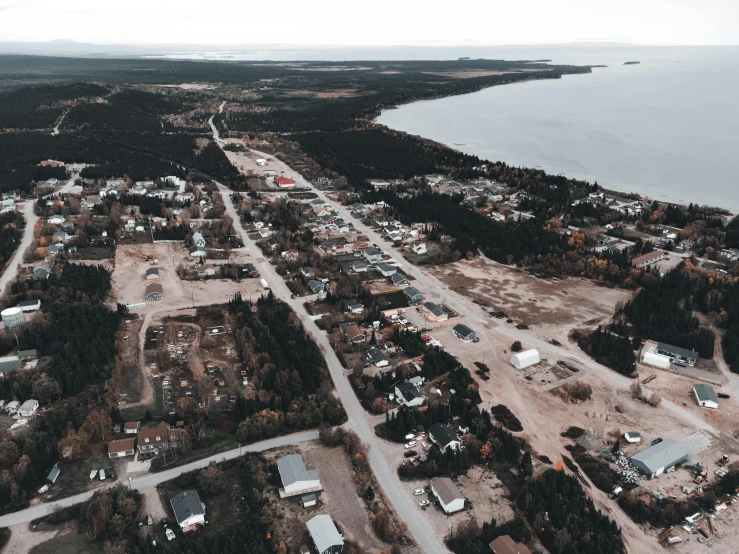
[404, 506]
[153, 479]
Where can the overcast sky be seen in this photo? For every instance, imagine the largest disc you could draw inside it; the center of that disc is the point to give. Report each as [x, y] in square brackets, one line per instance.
[373, 22]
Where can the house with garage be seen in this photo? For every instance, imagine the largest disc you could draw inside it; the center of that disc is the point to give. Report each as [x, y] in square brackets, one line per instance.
[189, 511]
[443, 437]
[121, 448]
[413, 295]
[296, 479]
[657, 459]
[355, 309]
[315, 286]
[464, 333]
[353, 334]
[376, 357]
[154, 292]
[432, 312]
[705, 396]
[360, 267]
[131, 427]
[153, 439]
[324, 535]
[408, 395]
[448, 494]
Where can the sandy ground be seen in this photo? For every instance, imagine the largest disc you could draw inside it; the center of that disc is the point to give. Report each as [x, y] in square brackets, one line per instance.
[129, 285]
[23, 539]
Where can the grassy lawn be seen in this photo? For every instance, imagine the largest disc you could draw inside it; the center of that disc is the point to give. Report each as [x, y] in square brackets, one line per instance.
[75, 476]
[136, 413]
[69, 543]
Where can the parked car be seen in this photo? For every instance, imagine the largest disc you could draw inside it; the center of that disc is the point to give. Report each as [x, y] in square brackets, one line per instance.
[410, 454]
[170, 535]
[43, 489]
[411, 444]
[140, 524]
[423, 503]
[657, 441]
[149, 520]
[418, 492]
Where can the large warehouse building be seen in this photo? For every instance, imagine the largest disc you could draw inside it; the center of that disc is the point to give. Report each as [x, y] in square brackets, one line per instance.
[659, 458]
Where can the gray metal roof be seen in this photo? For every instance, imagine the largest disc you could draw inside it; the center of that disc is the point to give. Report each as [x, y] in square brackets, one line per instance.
[376, 356]
[447, 490]
[292, 470]
[463, 330]
[29, 303]
[187, 504]
[53, 474]
[412, 292]
[324, 533]
[443, 434]
[433, 308]
[704, 393]
[664, 454]
[409, 392]
[677, 351]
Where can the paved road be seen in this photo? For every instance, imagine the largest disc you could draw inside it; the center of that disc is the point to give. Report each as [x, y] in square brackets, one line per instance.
[153, 479]
[11, 269]
[387, 477]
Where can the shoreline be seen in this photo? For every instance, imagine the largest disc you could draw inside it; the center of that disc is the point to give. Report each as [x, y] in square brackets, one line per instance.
[662, 198]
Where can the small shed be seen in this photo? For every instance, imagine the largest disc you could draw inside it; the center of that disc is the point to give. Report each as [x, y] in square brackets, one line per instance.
[53, 474]
[632, 437]
[308, 500]
[525, 359]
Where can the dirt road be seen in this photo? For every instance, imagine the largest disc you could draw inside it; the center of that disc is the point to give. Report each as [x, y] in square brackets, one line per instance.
[11, 269]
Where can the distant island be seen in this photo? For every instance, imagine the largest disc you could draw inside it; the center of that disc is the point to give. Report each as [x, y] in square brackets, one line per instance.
[632, 63]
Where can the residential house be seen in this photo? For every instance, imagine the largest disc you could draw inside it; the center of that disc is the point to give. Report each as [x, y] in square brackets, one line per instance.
[356, 309]
[398, 279]
[250, 270]
[208, 270]
[152, 274]
[154, 292]
[448, 494]
[372, 255]
[648, 259]
[354, 334]
[29, 305]
[51, 163]
[464, 333]
[413, 295]
[432, 312]
[56, 220]
[506, 545]
[54, 249]
[197, 238]
[189, 510]
[296, 479]
[683, 355]
[360, 267]
[442, 436]
[272, 244]
[131, 427]
[687, 244]
[27, 355]
[326, 538]
[284, 182]
[151, 439]
[197, 252]
[377, 358]
[121, 447]
[386, 269]
[316, 286]
[61, 236]
[705, 396]
[409, 395]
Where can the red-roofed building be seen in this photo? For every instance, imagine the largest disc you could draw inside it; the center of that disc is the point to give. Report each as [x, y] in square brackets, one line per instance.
[284, 182]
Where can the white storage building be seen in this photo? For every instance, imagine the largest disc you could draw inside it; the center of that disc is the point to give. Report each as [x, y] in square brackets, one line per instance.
[656, 360]
[705, 396]
[449, 496]
[296, 479]
[525, 358]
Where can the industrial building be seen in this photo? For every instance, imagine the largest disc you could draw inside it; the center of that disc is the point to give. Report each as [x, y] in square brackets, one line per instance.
[658, 458]
[450, 497]
[296, 479]
[325, 535]
[705, 396]
[525, 359]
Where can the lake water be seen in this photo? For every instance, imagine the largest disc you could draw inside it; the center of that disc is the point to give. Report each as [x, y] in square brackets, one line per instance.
[666, 128]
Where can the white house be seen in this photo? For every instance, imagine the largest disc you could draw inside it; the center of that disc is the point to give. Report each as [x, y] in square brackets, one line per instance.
[443, 437]
[189, 510]
[121, 448]
[296, 479]
[525, 359]
[450, 497]
[409, 395]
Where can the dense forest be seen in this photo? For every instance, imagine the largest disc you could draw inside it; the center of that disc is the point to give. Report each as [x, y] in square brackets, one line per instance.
[286, 368]
[11, 232]
[572, 525]
[610, 349]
